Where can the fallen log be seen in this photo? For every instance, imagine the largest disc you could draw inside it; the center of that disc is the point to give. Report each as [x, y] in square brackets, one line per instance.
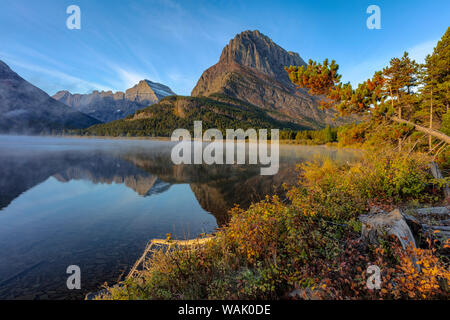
[438, 211]
[440, 228]
[437, 134]
[182, 243]
[169, 244]
[437, 234]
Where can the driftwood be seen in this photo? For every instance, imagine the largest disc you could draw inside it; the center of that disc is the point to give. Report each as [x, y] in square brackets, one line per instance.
[437, 232]
[437, 211]
[181, 243]
[431, 222]
[169, 244]
[440, 228]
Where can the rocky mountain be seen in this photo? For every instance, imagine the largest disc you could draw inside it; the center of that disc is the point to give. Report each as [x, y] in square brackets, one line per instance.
[25, 108]
[107, 106]
[251, 68]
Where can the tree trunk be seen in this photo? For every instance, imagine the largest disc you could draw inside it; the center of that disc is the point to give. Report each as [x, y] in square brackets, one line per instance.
[430, 138]
[437, 134]
[399, 115]
[438, 175]
[392, 98]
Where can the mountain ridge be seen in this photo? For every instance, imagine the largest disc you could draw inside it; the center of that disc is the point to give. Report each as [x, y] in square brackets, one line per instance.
[108, 106]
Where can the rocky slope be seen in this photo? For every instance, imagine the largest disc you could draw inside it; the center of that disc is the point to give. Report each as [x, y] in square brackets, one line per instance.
[25, 108]
[251, 68]
[107, 106]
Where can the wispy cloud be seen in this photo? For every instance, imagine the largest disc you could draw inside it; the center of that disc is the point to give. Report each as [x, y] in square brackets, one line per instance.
[420, 51]
[68, 81]
[129, 78]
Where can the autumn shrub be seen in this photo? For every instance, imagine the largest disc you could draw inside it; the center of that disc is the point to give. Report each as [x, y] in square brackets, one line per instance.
[328, 190]
[410, 273]
[344, 191]
[259, 231]
[398, 177]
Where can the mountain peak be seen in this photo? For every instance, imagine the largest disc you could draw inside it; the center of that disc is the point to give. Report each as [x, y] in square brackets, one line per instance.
[251, 69]
[160, 90]
[257, 51]
[144, 83]
[255, 35]
[148, 91]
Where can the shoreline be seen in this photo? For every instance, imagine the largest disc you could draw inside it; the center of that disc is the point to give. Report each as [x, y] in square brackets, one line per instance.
[167, 139]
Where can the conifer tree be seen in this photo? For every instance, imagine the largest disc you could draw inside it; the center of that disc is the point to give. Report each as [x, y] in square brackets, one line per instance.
[436, 82]
[400, 79]
[377, 97]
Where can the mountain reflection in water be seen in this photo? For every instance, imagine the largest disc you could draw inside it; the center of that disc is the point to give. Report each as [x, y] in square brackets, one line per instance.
[96, 203]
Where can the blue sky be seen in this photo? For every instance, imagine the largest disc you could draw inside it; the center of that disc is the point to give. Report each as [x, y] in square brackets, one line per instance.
[173, 42]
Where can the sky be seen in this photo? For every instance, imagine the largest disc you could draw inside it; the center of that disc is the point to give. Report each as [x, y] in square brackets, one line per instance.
[172, 42]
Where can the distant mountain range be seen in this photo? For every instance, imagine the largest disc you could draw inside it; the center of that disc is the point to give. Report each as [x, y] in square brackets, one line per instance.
[27, 109]
[107, 106]
[248, 87]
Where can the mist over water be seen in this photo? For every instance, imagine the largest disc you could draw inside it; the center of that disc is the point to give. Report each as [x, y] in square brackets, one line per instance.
[96, 203]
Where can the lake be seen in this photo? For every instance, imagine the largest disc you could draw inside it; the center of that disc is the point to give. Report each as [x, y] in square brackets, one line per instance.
[96, 203]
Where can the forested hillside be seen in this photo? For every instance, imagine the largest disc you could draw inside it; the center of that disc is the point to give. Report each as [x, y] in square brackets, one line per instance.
[174, 112]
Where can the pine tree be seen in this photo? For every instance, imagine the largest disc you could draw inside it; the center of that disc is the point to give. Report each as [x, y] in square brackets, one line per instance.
[328, 134]
[436, 82]
[375, 97]
[400, 78]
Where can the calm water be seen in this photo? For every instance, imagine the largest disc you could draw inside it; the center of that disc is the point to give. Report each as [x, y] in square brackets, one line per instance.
[96, 204]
